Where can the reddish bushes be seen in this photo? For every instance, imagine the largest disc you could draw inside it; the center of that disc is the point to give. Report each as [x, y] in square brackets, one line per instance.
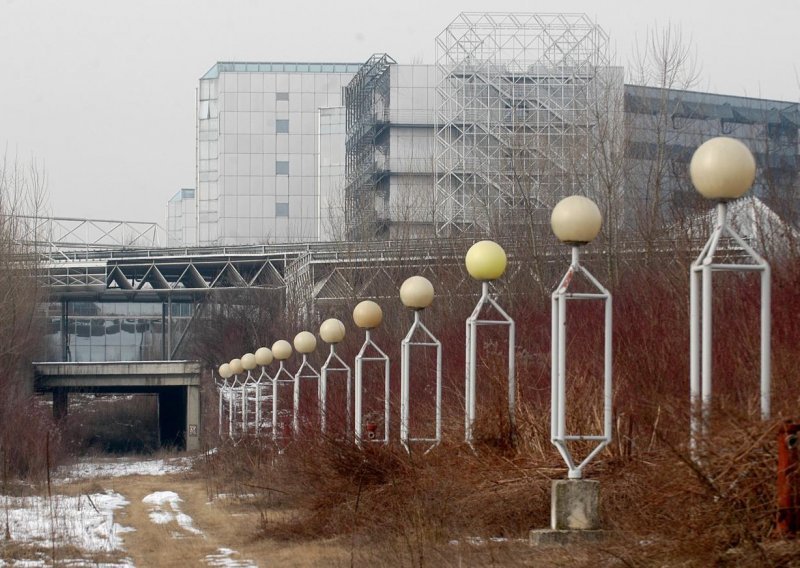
[661, 504]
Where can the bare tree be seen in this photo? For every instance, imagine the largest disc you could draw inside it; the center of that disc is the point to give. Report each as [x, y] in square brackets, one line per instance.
[666, 61]
[22, 198]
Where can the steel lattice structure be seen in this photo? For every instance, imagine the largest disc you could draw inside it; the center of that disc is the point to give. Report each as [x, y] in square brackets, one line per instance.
[514, 115]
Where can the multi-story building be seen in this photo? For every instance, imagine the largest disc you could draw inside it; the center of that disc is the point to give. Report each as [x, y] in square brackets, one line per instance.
[518, 111]
[182, 219]
[258, 128]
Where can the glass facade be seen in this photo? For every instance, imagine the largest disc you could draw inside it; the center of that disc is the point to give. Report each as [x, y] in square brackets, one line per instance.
[676, 122]
[331, 173]
[258, 150]
[182, 219]
[113, 331]
[274, 145]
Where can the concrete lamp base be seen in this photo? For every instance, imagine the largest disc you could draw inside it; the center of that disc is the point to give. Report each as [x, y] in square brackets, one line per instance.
[574, 513]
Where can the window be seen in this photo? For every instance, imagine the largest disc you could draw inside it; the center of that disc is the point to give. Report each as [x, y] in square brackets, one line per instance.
[282, 167]
[281, 209]
[282, 126]
[282, 96]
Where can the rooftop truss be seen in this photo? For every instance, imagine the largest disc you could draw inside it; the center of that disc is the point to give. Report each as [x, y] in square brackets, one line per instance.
[63, 236]
[514, 116]
[367, 147]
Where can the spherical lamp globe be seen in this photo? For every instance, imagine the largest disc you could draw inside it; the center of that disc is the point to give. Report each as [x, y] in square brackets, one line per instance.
[249, 361]
[367, 314]
[236, 366]
[282, 349]
[305, 342]
[722, 169]
[416, 293]
[332, 331]
[576, 220]
[225, 371]
[263, 356]
[486, 260]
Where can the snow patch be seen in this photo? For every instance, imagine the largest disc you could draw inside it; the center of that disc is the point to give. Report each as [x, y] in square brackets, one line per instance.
[120, 467]
[45, 562]
[85, 521]
[480, 541]
[224, 559]
[166, 508]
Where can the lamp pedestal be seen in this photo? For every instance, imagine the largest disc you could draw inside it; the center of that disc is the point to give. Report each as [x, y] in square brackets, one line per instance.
[574, 513]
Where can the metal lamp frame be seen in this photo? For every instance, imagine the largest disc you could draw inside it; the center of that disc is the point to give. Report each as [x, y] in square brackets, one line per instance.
[405, 383]
[359, 387]
[470, 389]
[246, 385]
[277, 380]
[304, 373]
[700, 323]
[330, 366]
[558, 434]
[258, 384]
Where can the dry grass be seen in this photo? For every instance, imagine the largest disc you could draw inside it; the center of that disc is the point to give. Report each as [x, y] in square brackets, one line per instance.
[226, 522]
[391, 508]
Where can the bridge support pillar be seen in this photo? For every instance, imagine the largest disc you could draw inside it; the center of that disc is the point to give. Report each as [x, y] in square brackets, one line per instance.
[192, 418]
[60, 404]
[171, 413]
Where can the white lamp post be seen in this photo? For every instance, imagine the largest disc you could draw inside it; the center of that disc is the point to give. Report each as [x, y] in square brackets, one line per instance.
[368, 315]
[224, 391]
[576, 221]
[332, 331]
[264, 358]
[248, 364]
[236, 369]
[304, 343]
[722, 169]
[486, 261]
[281, 350]
[417, 294]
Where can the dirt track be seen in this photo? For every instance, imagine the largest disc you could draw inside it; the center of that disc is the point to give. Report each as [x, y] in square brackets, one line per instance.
[222, 532]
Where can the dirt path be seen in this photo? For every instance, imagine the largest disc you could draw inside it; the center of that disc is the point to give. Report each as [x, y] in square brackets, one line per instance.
[196, 532]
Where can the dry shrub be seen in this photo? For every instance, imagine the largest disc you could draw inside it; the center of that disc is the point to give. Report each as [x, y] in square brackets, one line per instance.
[30, 441]
[383, 492]
[658, 504]
[112, 424]
[718, 509]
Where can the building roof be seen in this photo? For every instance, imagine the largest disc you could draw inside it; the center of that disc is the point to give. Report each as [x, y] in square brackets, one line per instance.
[700, 105]
[279, 67]
[184, 193]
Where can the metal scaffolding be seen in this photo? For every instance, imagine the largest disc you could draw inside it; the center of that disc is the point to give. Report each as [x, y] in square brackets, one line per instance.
[367, 148]
[514, 114]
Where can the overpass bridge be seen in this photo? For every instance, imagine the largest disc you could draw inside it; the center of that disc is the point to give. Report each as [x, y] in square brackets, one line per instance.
[176, 383]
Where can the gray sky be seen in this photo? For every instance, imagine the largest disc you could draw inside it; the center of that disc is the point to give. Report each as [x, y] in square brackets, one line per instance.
[102, 91]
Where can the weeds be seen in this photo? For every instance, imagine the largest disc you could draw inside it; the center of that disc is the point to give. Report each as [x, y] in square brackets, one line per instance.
[659, 505]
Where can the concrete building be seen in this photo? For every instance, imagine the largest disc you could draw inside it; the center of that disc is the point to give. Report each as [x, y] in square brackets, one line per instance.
[390, 149]
[258, 149]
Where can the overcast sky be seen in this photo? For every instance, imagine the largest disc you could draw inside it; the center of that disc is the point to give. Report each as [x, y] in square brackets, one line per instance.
[102, 91]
